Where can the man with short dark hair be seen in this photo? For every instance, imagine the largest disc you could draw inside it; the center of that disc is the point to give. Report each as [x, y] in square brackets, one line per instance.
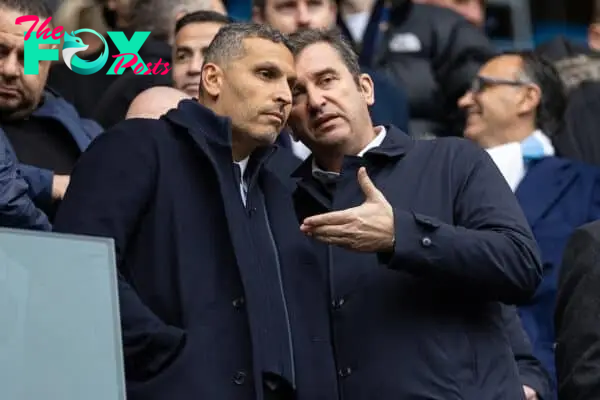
[423, 242]
[193, 34]
[216, 282]
[514, 108]
[157, 17]
[290, 16]
[45, 134]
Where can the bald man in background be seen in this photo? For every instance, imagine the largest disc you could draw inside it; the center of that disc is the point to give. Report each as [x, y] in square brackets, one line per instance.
[154, 102]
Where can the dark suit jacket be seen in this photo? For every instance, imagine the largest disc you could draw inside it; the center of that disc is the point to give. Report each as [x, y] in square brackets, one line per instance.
[557, 196]
[577, 317]
[198, 290]
[426, 321]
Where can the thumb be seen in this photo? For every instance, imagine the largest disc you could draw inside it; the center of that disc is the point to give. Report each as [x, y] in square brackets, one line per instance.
[366, 184]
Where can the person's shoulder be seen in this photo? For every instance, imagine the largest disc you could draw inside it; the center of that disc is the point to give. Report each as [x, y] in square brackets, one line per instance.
[134, 133]
[579, 167]
[452, 146]
[590, 230]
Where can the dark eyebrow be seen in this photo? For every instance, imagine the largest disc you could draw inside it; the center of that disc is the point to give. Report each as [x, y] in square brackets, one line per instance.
[322, 73]
[183, 48]
[268, 65]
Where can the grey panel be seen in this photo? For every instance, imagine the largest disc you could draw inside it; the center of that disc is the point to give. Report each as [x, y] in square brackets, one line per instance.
[60, 335]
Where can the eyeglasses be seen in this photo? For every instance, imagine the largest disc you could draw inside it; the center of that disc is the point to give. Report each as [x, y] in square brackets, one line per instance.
[482, 82]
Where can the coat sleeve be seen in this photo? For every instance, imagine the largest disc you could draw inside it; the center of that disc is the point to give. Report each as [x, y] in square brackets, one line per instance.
[489, 252]
[40, 183]
[576, 317]
[110, 188]
[17, 210]
[531, 371]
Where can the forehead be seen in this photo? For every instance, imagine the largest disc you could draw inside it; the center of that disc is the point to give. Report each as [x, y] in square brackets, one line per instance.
[258, 50]
[12, 34]
[316, 58]
[502, 66]
[201, 33]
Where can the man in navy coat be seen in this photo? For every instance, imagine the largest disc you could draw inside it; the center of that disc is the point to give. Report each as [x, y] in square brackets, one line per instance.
[514, 108]
[216, 281]
[422, 242]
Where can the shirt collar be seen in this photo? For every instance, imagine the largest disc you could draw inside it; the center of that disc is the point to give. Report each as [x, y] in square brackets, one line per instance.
[327, 176]
[511, 158]
[243, 165]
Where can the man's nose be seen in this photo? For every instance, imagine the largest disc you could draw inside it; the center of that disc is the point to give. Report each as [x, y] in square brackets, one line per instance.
[195, 66]
[466, 100]
[316, 100]
[11, 67]
[284, 94]
[303, 15]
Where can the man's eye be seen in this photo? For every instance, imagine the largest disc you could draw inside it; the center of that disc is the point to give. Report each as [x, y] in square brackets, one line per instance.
[265, 73]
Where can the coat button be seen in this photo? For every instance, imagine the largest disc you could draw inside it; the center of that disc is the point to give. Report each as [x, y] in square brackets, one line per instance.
[239, 378]
[426, 242]
[238, 303]
[337, 304]
[345, 372]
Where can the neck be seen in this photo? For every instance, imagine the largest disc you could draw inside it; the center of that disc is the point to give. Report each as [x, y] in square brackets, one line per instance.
[332, 159]
[356, 6]
[508, 135]
[241, 146]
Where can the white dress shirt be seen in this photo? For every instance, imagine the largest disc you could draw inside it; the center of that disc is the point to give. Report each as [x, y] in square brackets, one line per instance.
[329, 175]
[510, 161]
[243, 184]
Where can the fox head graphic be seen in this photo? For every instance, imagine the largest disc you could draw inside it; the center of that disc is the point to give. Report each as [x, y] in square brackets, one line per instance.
[72, 45]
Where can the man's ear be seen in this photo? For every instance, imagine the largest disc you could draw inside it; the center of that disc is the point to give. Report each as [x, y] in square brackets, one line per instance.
[365, 84]
[212, 79]
[531, 100]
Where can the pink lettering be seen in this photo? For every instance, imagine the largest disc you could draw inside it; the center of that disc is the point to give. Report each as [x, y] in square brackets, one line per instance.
[129, 63]
[138, 69]
[167, 69]
[148, 71]
[28, 18]
[43, 30]
[57, 33]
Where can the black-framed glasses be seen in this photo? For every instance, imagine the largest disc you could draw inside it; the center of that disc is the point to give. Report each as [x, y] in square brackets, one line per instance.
[481, 82]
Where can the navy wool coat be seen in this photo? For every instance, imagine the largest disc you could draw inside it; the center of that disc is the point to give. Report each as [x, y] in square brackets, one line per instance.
[426, 321]
[193, 279]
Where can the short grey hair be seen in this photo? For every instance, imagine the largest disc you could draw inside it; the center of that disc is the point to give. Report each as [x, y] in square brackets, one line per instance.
[158, 16]
[228, 44]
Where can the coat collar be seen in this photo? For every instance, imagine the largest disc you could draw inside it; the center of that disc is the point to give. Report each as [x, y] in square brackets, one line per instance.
[395, 145]
[211, 132]
[543, 185]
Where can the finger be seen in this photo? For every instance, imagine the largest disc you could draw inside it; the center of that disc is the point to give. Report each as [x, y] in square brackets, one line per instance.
[367, 185]
[335, 241]
[331, 218]
[339, 231]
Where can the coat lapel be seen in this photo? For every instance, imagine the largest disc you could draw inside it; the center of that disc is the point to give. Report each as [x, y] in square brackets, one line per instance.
[543, 185]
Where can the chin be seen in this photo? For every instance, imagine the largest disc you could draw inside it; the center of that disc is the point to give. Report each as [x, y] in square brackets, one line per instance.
[265, 137]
